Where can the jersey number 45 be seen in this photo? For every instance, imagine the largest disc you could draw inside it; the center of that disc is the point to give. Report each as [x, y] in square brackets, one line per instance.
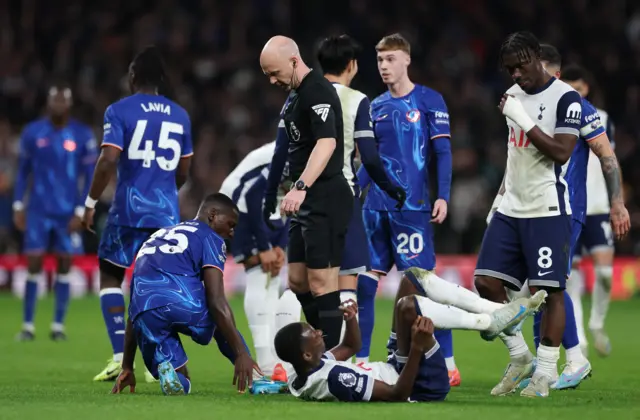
[147, 154]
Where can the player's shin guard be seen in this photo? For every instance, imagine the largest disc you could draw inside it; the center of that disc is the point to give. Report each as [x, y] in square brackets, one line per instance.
[330, 318]
[601, 297]
[310, 308]
[30, 300]
[112, 304]
[62, 293]
[260, 299]
[574, 289]
[367, 288]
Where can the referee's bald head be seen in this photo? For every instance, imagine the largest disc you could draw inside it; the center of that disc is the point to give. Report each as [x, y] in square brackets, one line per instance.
[280, 61]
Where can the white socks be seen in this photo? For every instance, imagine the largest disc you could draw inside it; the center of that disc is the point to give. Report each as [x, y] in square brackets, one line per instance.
[451, 318]
[516, 345]
[601, 297]
[451, 363]
[547, 361]
[575, 355]
[446, 293]
[260, 300]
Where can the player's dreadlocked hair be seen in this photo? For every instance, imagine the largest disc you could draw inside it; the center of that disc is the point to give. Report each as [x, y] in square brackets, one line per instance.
[288, 345]
[149, 69]
[524, 44]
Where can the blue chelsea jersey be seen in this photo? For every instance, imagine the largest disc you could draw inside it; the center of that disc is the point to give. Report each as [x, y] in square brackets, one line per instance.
[168, 267]
[154, 133]
[55, 159]
[405, 128]
[591, 127]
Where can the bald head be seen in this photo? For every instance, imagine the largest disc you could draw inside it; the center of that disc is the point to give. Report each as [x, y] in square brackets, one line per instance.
[280, 60]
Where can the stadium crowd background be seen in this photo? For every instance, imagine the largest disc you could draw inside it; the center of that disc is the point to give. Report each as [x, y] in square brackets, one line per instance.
[212, 48]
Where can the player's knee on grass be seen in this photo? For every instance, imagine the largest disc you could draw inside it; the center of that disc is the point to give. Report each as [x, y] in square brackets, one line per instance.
[111, 275]
[490, 288]
[34, 263]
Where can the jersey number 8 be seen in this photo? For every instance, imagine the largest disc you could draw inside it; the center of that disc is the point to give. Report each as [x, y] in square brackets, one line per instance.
[167, 235]
[147, 154]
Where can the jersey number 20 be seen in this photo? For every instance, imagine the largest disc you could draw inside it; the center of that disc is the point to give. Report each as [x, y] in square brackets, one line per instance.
[171, 235]
[147, 154]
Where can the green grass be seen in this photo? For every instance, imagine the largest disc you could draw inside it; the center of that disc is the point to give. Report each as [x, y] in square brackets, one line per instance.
[49, 380]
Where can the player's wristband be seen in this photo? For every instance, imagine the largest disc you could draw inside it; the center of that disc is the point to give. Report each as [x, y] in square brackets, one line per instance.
[79, 211]
[90, 203]
[18, 206]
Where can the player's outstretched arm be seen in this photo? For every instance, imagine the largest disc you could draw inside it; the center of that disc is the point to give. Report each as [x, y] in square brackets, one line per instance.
[601, 147]
[351, 342]
[421, 340]
[223, 317]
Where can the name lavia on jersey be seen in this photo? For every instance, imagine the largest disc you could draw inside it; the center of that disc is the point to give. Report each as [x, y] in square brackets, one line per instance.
[322, 110]
[157, 107]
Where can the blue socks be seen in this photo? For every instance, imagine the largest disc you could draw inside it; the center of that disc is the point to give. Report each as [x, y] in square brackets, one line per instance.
[367, 288]
[186, 384]
[30, 300]
[445, 338]
[570, 336]
[112, 304]
[62, 293]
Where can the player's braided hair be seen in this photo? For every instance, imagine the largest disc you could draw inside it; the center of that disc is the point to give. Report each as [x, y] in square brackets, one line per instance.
[149, 69]
[524, 44]
[288, 346]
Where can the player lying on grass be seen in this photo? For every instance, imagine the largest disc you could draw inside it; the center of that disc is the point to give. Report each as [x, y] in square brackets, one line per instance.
[168, 298]
[415, 369]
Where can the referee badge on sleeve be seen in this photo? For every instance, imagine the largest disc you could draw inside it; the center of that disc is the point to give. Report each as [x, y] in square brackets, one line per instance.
[322, 110]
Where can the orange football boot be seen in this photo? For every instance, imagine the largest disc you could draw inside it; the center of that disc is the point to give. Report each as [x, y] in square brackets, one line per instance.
[454, 377]
[280, 374]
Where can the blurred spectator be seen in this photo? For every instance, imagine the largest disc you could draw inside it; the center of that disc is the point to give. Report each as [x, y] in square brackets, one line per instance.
[212, 49]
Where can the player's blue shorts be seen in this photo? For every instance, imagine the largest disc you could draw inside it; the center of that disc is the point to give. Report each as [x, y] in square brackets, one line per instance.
[597, 235]
[534, 249]
[158, 330]
[44, 233]
[355, 257]
[244, 245]
[401, 238]
[120, 244]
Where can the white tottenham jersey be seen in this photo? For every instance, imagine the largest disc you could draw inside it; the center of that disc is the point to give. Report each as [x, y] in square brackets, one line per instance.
[242, 178]
[535, 184]
[356, 123]
[597, 197]
[343, 381]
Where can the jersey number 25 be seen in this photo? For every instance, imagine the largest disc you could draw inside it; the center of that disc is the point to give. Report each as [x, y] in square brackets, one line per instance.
[147, 154]
[178, 242]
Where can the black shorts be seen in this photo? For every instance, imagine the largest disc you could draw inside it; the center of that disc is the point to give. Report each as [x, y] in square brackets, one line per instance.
[317, 233]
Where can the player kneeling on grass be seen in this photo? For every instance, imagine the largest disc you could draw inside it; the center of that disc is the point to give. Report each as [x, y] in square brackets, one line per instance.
[168, 298]
[415, 370]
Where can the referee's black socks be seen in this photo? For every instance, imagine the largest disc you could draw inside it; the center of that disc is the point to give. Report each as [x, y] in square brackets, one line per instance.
[310, 308]
[330, 318]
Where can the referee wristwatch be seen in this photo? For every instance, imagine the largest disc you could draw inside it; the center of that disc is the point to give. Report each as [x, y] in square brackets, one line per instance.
[300, 185]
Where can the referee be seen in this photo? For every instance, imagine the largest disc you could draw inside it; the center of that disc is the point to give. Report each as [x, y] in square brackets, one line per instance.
[321, 200]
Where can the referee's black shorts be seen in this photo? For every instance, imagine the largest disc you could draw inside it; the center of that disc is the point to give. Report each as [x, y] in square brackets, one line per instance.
[317, 234]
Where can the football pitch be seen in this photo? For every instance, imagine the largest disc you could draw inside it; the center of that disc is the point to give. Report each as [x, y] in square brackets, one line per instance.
[48, 380]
